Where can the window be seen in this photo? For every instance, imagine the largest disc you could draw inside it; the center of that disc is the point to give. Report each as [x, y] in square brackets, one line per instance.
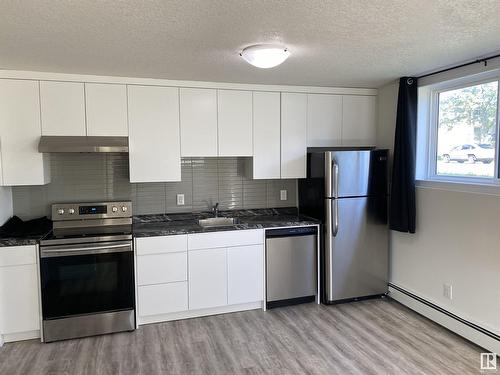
[463, 132]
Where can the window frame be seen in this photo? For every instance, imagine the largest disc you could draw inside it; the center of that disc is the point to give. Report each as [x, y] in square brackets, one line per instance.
[432, 104]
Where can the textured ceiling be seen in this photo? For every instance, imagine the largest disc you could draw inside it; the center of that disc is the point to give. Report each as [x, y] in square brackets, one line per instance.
[333, 43]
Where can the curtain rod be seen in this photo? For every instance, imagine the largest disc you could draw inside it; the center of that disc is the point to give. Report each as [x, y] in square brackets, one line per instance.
[478, 61]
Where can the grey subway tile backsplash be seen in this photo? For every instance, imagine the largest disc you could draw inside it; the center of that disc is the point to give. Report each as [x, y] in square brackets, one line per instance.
[104, 177]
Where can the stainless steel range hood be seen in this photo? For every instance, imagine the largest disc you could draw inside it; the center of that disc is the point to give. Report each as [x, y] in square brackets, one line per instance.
[82, 144]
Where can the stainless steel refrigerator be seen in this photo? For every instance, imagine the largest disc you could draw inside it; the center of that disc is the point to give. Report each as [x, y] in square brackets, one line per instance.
[347, 190]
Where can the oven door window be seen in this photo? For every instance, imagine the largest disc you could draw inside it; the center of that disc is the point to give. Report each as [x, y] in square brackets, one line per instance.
[84, 284]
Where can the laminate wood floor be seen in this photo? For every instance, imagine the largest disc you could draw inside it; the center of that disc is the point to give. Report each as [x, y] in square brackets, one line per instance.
[368, 337]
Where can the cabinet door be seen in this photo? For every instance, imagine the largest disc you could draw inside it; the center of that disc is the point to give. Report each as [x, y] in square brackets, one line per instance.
[293, 135]
[234, 123]
[266, 135]
[359, 120]
[207, 278]
[245, 274]
[106, 109]
[19, 307]
[324, 120]
[198, 122]
[154, 146]
[62, 108]
[20, 132]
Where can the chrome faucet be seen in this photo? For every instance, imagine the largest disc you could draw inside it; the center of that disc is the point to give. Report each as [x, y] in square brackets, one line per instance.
[215, 209]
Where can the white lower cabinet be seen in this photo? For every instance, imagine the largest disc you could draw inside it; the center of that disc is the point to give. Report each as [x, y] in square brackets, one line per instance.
[245, 274]
[19, 303]
[161, 275]
[183, 276]
[207, 278]
[162, 298]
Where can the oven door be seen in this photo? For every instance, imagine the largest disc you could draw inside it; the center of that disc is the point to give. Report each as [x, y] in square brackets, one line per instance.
[87, 278]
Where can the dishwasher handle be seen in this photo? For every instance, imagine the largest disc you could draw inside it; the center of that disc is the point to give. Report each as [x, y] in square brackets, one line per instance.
[291, 232]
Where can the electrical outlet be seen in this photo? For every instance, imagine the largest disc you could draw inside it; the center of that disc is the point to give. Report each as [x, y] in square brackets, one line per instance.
[283, 195]
[448, 291]
[180, 199]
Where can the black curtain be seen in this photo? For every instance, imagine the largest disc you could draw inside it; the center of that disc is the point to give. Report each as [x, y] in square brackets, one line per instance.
[402, 208]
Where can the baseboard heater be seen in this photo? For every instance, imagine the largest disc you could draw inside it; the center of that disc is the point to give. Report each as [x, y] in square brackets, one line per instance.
[449, 314]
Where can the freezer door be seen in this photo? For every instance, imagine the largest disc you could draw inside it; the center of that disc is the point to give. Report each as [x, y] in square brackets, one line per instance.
[356, 248]
[355, 173]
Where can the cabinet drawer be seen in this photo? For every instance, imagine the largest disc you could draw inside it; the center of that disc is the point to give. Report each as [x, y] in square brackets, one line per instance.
[158, 245]
[17, 255]
[163, 298]
[161, 268]
[225, 239]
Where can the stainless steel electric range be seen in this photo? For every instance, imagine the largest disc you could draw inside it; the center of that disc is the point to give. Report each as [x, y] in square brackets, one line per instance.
[87, 271]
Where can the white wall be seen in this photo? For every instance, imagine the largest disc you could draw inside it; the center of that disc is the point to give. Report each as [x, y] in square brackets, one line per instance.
[5, 204]
[387, 107]
[457, 241]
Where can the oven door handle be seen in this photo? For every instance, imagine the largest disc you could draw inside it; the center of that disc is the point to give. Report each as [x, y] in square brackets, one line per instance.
[106, 249]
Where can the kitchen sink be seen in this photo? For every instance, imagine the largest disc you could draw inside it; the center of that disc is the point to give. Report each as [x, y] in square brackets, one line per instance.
[218, 221]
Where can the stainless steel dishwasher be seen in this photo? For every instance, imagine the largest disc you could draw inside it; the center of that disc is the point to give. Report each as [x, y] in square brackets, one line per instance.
[291, 266]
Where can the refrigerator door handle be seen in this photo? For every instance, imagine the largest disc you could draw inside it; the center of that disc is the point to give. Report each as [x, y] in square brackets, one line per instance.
[335, 221]
[335, 184]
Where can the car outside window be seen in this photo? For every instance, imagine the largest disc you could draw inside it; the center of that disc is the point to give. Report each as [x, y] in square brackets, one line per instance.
[466, 144]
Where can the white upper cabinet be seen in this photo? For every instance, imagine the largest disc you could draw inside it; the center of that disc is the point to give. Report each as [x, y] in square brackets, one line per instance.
[62, 108]
[154, 145]
[234, 122]
[324, 120]
[106, 109]
[293, 135]
[266, 135]
[198, 114]
[359, 120]
[20, 132]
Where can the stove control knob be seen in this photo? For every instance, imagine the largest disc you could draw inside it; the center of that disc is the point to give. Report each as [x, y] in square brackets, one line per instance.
[114, 209]
[60, 211]
[71, 211]
[124, 208]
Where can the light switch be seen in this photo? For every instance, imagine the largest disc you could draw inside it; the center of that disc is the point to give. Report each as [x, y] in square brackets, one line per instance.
[180, 199]
[283, 195]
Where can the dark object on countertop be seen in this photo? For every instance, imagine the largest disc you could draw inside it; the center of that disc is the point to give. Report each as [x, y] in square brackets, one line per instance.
[16, 227]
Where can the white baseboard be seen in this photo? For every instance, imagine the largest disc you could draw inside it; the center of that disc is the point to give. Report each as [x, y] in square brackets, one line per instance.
[481, 339]
[199, 313]
[21, 336]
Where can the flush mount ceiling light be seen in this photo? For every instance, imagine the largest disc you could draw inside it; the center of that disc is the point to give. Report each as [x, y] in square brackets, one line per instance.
[265, 55]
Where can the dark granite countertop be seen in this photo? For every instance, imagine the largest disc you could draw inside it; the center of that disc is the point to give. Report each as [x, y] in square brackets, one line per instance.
[15, 241]
[17, 232]
[171, 224]
[185, 223]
